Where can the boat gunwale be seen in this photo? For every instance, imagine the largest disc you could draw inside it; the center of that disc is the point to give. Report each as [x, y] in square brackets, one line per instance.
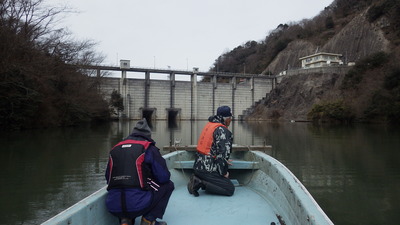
[302, 197]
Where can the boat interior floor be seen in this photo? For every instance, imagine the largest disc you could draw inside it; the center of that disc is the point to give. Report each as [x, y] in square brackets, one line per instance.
[244, 207]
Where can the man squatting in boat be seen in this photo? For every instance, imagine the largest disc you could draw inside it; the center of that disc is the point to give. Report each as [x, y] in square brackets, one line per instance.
[138, 179]
[212, 160]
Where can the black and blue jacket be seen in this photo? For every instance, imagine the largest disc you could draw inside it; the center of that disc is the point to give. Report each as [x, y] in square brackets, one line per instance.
[134, 170]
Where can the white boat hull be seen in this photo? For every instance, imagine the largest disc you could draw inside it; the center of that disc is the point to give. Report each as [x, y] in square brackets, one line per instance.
[268, 193]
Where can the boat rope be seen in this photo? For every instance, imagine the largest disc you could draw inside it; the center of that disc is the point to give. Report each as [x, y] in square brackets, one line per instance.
[176, 143]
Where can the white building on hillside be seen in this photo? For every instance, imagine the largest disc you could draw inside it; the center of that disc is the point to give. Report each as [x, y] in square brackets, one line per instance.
[321, 59]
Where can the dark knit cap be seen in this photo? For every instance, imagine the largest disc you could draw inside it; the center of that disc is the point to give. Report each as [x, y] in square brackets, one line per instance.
[224, 111]
[142, 128]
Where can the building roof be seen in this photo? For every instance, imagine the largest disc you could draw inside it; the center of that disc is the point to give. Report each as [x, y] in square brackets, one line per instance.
[320, 53]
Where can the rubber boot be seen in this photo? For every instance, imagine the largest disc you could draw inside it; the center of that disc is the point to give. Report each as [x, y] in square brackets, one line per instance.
[145, 221]
[126, 221]
[194, 185]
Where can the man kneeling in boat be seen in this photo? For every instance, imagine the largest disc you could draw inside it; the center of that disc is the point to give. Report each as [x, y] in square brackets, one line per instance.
[212, 161]
[138, 179]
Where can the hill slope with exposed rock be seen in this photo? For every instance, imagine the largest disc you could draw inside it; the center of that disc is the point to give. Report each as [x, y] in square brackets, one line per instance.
[295, 95]
[358, 39]
[365, 32]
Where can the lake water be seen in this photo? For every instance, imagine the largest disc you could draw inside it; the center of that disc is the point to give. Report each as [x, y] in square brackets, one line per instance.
[353, 172]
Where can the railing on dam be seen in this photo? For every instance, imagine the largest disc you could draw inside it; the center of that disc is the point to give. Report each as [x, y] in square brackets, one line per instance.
[177, 72]
[183, 100]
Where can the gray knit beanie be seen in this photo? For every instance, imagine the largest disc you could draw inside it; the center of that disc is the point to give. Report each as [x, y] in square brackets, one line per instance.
[142, 128]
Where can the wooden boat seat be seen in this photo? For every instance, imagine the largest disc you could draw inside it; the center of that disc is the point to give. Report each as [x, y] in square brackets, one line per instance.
[235, 148]
[236, 164]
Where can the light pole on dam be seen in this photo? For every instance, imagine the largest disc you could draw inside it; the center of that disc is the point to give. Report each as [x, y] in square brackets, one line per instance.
[124, 64]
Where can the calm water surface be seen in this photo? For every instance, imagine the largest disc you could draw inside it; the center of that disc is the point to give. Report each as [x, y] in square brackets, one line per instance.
[353, 172]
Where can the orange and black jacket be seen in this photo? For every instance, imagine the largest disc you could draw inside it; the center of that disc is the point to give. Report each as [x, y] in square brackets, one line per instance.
[214, 147]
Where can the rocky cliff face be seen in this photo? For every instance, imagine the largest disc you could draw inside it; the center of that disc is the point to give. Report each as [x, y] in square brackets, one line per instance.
[289, 58]
[295, 95]
[357, 39]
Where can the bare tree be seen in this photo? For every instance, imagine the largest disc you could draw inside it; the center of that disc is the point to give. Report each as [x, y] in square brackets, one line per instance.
[40, 82]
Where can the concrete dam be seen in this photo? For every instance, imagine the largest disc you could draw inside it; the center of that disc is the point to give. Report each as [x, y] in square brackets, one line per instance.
[173, 99]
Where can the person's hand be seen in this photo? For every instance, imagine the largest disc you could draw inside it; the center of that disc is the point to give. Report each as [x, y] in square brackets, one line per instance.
[230, 162]
[226, 175]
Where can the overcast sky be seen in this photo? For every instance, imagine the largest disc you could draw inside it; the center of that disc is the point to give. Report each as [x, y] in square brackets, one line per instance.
[180, 34]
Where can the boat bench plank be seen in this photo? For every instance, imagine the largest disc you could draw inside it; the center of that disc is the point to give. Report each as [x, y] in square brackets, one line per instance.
[236, 164]
[234, 148]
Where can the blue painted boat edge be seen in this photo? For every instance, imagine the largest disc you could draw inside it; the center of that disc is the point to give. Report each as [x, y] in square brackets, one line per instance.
[296, 193]
[91, 210]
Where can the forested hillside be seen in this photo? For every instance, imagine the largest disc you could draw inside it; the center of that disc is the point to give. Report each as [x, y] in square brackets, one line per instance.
[353, 28]
[38, 85]
[364, 31]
